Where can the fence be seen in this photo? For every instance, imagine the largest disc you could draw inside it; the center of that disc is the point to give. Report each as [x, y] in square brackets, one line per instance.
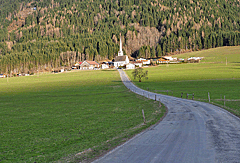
[232, 105]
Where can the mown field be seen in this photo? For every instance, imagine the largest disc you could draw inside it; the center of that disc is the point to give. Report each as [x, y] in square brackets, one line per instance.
[69, 116]
[211, 75]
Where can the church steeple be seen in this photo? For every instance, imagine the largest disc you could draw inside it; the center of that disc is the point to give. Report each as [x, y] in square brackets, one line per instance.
[120, 53]
[120, 43]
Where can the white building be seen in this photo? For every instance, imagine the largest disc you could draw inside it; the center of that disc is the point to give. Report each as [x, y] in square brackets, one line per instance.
[195, 58]
[144, 61]
[138, 64]
[168, 58]
[130, 66]
[104, 66]
[89, 65]
[121, 59]
[2, 75]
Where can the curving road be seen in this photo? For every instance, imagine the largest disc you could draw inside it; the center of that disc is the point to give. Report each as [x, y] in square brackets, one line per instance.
[191, 132]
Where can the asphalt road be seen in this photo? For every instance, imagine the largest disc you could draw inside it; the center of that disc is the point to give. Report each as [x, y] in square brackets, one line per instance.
[191, 132]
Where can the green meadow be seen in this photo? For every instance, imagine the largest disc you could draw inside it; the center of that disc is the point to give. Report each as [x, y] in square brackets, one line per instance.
[211, 75]
[69, 116]
[78, 115]
[216, 55]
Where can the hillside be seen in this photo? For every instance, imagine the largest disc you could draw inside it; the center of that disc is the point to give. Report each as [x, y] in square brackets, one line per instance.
[216, 55]
[49, 34]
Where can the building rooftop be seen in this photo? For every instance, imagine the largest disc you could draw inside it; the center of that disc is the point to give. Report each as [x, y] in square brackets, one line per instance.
[120, 58]
[92, 62]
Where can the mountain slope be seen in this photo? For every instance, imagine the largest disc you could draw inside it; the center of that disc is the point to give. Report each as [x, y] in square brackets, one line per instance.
[39, 34]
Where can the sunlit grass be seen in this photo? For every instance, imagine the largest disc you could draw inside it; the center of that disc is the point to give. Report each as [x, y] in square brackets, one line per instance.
[217, 55]
[211, 75]
[54, 117]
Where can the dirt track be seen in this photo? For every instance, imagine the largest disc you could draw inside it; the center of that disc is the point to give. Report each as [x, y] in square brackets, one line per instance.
[191, 132]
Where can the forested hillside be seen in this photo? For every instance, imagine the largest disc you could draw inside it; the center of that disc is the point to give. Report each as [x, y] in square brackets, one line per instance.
[48, 34]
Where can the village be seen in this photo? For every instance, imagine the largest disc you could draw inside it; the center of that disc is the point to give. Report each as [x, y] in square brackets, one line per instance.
[130, 63]
[121, 61]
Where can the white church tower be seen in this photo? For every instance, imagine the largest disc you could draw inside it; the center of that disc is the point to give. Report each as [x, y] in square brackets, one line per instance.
[120, 60]
[120, 52]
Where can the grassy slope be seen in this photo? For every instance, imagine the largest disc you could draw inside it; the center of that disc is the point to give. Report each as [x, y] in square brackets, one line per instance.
[211, 75]
[217, 55]
[55, 116]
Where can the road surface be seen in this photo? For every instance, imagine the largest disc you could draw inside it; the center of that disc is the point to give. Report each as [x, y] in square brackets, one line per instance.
[192, 132]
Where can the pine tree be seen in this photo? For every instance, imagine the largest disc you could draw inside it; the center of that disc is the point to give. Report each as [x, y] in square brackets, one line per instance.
[141, 52]
[147, 52]
[153, 52]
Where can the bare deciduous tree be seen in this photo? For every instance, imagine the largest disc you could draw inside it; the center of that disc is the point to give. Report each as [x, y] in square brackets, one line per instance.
[139, 74]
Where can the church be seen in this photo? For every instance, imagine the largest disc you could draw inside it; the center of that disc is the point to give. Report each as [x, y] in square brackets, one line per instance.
[121, 59]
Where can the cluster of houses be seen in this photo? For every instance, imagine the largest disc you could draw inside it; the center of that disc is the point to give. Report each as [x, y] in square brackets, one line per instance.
[118, 62]
[123, 61]
[4, 75]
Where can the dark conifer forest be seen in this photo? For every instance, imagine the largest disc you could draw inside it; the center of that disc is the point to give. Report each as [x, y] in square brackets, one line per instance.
[44, 34]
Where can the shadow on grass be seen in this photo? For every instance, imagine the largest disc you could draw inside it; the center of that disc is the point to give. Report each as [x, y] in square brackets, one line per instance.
[117, 81]
[108, 70]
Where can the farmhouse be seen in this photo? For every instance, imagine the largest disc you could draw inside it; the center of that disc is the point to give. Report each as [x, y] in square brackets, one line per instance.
[162, 60]
[168, 58]
[104, 65]
[2, 75]
[130, 66]
[138, 64]
[144, 61]
[89, 65]
[77, 65]
[194, 59]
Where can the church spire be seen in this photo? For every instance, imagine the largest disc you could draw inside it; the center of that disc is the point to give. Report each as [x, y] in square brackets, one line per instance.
[120, 53]
[120, 43]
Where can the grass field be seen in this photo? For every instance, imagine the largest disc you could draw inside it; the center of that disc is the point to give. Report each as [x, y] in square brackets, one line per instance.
[69, 116]
[216, 55]
[211, 75]
[78, 115]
